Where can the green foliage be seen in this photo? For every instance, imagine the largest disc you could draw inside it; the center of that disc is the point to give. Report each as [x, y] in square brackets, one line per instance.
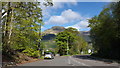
[105, 31]
[21, 26]
[70, 38]
[31, 52]
[49, 44]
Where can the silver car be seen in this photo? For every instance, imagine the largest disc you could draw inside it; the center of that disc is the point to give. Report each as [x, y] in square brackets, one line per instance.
[48, 56]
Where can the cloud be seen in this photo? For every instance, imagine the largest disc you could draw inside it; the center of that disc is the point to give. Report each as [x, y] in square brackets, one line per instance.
[60, 3]
[80, 25]
[71, 15]
[43, 28]
[66, 16]
[56, 5]
[46, 11]
[57, 20]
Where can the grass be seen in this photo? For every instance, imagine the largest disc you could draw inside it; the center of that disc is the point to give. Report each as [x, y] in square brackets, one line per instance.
[67, 55]
[42, 57]
[77, 54]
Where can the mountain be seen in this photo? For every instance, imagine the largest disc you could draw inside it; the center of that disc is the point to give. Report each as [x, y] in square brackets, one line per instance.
[85, 35]
[54, 30]
[48, 37]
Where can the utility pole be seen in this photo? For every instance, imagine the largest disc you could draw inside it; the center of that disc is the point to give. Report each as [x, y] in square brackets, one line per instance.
[67, 45]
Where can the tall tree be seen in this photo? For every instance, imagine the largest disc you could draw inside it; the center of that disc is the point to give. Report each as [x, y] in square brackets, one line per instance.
[105, 31]
[69, 39]
[21, 24]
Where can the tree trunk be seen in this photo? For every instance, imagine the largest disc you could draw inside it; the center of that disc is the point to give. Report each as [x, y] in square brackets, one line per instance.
[6, 40]
[11, 26]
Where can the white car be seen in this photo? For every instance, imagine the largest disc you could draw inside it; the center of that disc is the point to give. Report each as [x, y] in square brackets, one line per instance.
[48, 56]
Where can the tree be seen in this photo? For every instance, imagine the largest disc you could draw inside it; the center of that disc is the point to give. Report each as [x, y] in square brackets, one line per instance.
[61, 40]
[69, 39]
[105, 31]
[21, 26]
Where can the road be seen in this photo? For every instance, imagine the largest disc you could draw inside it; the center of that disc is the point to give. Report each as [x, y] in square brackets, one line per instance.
[82, 60]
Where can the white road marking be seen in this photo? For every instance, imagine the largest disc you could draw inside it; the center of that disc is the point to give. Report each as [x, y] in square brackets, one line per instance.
[78, 61]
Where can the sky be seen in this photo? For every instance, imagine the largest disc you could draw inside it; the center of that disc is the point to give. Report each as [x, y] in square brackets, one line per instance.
[71, 14]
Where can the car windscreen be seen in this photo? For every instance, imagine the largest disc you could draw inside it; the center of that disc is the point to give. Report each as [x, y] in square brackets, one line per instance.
[48, 53]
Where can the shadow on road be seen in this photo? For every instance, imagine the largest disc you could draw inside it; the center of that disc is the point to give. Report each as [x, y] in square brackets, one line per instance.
[88, 57]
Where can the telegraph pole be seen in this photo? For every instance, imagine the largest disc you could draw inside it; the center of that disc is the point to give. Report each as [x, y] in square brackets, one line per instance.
[67, 45]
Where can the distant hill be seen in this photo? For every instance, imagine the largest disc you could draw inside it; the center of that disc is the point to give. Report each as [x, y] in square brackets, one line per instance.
[85, 35]
[48, 36]
[54, 30]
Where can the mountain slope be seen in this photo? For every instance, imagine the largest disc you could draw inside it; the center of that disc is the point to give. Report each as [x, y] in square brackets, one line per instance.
[85, 35]
[54, 30]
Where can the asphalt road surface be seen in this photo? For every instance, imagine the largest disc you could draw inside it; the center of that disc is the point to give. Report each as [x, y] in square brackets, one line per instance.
[79, 60]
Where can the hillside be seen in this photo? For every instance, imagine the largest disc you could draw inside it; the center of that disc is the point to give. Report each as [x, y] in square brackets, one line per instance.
[54, 30]
[85, 35]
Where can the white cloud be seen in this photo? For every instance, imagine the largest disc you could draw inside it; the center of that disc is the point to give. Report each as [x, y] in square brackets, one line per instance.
[80, 25]
[57, 20]
[61, 3]
[71, 15]
[47, 10]
[43, 28]
[66, 16]
[56, 5]
[45, 13]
